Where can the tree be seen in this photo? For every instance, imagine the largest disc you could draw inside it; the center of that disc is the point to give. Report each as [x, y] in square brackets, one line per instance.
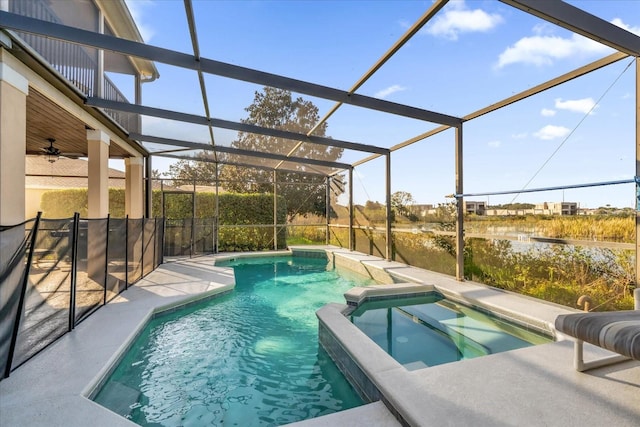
[401, 202]
[203, 171]
[275, 108]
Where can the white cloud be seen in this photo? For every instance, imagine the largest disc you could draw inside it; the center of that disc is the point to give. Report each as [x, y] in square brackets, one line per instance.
[544, 50]
[552, 132]
[521, 135]
[583, 106]
[137, 7]
[626, 96]
[457, 18]
[388, 91]
[546, 112]
[494, 144]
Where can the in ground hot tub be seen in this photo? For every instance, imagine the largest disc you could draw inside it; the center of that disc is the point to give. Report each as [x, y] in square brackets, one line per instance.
[431, 330]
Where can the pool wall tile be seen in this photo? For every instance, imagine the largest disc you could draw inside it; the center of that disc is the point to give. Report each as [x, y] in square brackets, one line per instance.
[309, 253]
[359, 359]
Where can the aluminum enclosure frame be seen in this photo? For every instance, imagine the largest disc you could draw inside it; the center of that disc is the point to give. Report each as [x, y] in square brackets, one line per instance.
[554, 11]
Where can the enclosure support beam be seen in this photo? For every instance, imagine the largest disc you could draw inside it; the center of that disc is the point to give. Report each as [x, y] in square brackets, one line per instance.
[216, 222]
[351, 240]
[231, 150]
[13, 21]
[637, 278]
[224, 162]
[148, 185]
[578, 21]
[328, 208]
[388, 204]
[430, 13]
[275, 210]
[578, 72]
[459, 208]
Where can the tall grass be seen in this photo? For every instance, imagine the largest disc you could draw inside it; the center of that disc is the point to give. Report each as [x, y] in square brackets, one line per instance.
[592, 228]
[556, 273]
[597, 227]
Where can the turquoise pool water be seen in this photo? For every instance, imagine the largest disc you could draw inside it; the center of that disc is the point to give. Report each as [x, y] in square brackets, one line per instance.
[430, 330]
[249, 358]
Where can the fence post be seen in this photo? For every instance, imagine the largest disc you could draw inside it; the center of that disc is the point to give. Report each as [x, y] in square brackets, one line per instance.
[74, 267]
[23, 291]
[155, 241]
[164, 222]
[126, 252]
[143, 248]
[106, 261]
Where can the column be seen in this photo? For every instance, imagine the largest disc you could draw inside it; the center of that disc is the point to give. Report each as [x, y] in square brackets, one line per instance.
[637, 278]
[352, 243]
[459, 207]
[389, 236]
[13, 142]
[328, 209]
[133, 196]
[98, 192]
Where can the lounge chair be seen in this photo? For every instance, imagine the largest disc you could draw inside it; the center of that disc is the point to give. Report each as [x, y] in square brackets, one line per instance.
[616, 331]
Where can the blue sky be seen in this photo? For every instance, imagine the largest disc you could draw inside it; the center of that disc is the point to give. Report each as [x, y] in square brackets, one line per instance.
[472, 54]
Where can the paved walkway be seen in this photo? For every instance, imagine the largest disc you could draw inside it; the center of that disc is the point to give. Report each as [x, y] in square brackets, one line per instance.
[534, 386]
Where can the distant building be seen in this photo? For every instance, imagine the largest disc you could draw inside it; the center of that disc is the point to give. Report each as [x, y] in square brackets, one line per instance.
[546, 208]
[476, 208]
[422, 210]
[558, 208]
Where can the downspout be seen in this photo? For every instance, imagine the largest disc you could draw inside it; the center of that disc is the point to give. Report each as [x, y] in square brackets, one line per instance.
[99, 79]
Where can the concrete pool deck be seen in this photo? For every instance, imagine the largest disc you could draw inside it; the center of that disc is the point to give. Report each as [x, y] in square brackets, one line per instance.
[531, 386]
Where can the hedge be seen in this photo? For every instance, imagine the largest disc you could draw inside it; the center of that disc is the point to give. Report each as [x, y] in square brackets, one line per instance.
[235, 209]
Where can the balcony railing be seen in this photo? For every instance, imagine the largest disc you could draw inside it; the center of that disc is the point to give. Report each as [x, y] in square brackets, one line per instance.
[78, 64]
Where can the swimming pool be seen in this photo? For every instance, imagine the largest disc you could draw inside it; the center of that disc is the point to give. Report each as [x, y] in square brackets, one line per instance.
[245, 359]
[430, 330]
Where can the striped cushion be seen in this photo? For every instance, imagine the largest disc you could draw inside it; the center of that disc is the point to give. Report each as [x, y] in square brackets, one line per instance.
[618, 331]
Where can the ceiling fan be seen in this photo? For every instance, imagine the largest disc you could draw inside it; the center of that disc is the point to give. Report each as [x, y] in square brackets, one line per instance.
[54, 153]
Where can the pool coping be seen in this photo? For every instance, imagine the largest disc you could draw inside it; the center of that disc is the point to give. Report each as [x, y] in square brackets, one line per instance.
[378, 376]
[50, 389]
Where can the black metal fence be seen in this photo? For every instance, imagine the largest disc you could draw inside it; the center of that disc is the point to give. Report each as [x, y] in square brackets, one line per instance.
[54, 273]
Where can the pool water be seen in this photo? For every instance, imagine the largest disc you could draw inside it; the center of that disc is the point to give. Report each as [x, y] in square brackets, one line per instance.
[249, 358]
[430, 330]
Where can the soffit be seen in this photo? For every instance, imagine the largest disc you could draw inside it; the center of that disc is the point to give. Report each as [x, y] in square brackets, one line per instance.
[45, 120]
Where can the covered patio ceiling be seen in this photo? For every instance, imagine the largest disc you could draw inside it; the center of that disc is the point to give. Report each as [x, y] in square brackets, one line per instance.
[283, 157]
